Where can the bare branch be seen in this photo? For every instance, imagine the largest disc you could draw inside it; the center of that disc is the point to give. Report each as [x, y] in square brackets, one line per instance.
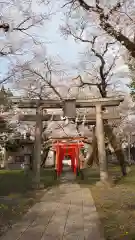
[46, 81]
[107, 26]
[24, 21]
[67, 31]
[107, 46]
[129, 17]
[68, 3]
[88, 7]
[6, 79]
[92, 42]
[111, 66]
[33, 92]
[82, 83]
[117, 6]
[60, 126]
[29, 35]
[102, 81]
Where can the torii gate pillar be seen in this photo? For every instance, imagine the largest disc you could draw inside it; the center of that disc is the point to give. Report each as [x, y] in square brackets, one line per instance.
[101, 144]
[37, 146]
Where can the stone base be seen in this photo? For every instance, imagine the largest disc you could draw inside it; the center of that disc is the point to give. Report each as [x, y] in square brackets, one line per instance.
[128, 169]
[38, 186]
[109, 183]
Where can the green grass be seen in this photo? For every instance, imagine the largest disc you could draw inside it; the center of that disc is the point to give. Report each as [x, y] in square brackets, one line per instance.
[91, 176]
[17, 195]
[18, 182]
[14, 181]
[115, 205]
[48, 177]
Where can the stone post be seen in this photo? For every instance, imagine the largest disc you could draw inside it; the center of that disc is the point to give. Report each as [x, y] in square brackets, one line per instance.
[26, 162]
[50, 158]
[37, 147]
[101, 144]
[5, 158]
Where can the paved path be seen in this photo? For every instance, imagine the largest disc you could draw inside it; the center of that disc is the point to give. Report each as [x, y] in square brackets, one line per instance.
[66, 212]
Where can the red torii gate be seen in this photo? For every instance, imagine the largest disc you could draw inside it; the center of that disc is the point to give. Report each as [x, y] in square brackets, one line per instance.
[70, 148]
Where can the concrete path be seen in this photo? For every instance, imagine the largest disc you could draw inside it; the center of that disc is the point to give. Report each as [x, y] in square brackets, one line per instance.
[66, 212]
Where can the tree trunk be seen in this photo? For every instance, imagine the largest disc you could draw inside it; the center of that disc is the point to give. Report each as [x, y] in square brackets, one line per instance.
[93, 157]
[116, 145]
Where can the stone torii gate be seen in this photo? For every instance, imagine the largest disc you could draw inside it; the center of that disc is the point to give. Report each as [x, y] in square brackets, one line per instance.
[69, 109]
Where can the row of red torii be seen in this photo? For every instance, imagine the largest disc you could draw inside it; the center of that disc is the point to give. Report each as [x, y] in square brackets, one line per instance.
[70, 148]
[69, 110]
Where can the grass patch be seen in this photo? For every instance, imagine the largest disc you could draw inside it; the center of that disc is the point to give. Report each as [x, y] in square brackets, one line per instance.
[17, 196]
[116, 206]
[91, 176]
[14, 181]
[48, 177]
